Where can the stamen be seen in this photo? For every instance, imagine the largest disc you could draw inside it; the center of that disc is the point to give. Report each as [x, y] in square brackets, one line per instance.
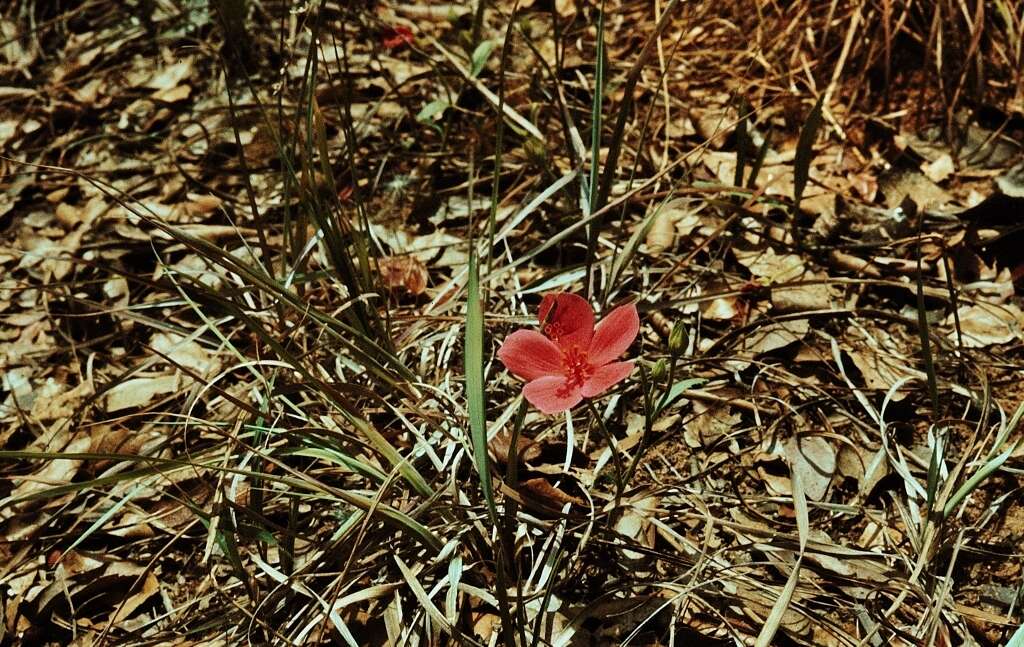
[576, 364]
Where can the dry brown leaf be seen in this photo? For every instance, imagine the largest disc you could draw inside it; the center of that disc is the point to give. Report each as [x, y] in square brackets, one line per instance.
[170, 76]
[880, 370]
[565, 8]
[940, 169]
[172, 95]
[715, 125]
[880, 538]
[140, 391]
[635, 523]
[149, 587]
[925, 193]
[58, 471]
[499, 446]
[770, 266]
[547, 495]
[675, 217]
[803, 298]
[985, 324]
[70, 216]
[722, 309]
[406, 273]
[186, 353]
[709, 424]
[774, 336]
[865, 184]
[116, 291]
[59, 403]
[661, 235]
[814, 458]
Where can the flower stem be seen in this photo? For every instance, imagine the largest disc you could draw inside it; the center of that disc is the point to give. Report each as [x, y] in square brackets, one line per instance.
[616, 458]
[668, 383]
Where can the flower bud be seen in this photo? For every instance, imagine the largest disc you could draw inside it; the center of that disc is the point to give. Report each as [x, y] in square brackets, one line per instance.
[659, 370]
[678, 340]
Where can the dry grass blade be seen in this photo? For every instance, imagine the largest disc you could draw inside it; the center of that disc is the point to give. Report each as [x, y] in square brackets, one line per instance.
[426, 604]
[771, 624]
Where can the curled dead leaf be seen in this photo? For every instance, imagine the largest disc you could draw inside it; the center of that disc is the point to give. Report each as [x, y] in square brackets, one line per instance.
[542, 492]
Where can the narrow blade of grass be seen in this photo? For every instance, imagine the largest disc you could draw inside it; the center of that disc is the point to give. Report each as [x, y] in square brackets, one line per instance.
[771, 625]
[972, 483]
[805, 153]
[474, 354]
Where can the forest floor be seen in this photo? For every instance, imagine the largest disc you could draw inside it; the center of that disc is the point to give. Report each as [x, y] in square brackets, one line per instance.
[257, 260]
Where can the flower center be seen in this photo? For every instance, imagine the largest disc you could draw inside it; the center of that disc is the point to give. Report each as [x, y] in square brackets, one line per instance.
[577, 369]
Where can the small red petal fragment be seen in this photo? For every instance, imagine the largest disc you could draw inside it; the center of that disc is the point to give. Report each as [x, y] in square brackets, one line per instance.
[395, 37]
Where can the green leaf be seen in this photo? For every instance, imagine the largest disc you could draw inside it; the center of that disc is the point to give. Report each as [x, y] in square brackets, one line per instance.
[432, 111]
[934, 467]
[677, 390]
[595, 117]
[480, 56]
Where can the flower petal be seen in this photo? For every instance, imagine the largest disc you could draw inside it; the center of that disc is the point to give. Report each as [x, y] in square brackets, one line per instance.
[570, 323]
[550, 395]
[614, 334]
[606, 377]
[530, 355]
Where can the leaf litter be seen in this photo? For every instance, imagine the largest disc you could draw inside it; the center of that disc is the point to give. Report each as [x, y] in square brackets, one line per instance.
[191, 448]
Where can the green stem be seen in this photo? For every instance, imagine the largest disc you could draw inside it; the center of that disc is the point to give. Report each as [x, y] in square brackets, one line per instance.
[616, 458]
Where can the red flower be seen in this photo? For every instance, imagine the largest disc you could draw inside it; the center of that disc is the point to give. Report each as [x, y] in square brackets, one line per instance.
[572, 360]
[394, 37]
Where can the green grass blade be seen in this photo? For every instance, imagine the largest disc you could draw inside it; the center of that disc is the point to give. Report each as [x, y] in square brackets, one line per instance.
[972, 483]
[595, 117]
[474, 354]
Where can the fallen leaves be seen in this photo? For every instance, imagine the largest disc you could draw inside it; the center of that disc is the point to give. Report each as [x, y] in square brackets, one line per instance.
[140, 391]
[986, 324]
[403, 273]
[814, 459]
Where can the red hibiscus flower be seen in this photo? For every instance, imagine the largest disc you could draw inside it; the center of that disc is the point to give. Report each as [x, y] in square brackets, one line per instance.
[394, 37]
[572, 359]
